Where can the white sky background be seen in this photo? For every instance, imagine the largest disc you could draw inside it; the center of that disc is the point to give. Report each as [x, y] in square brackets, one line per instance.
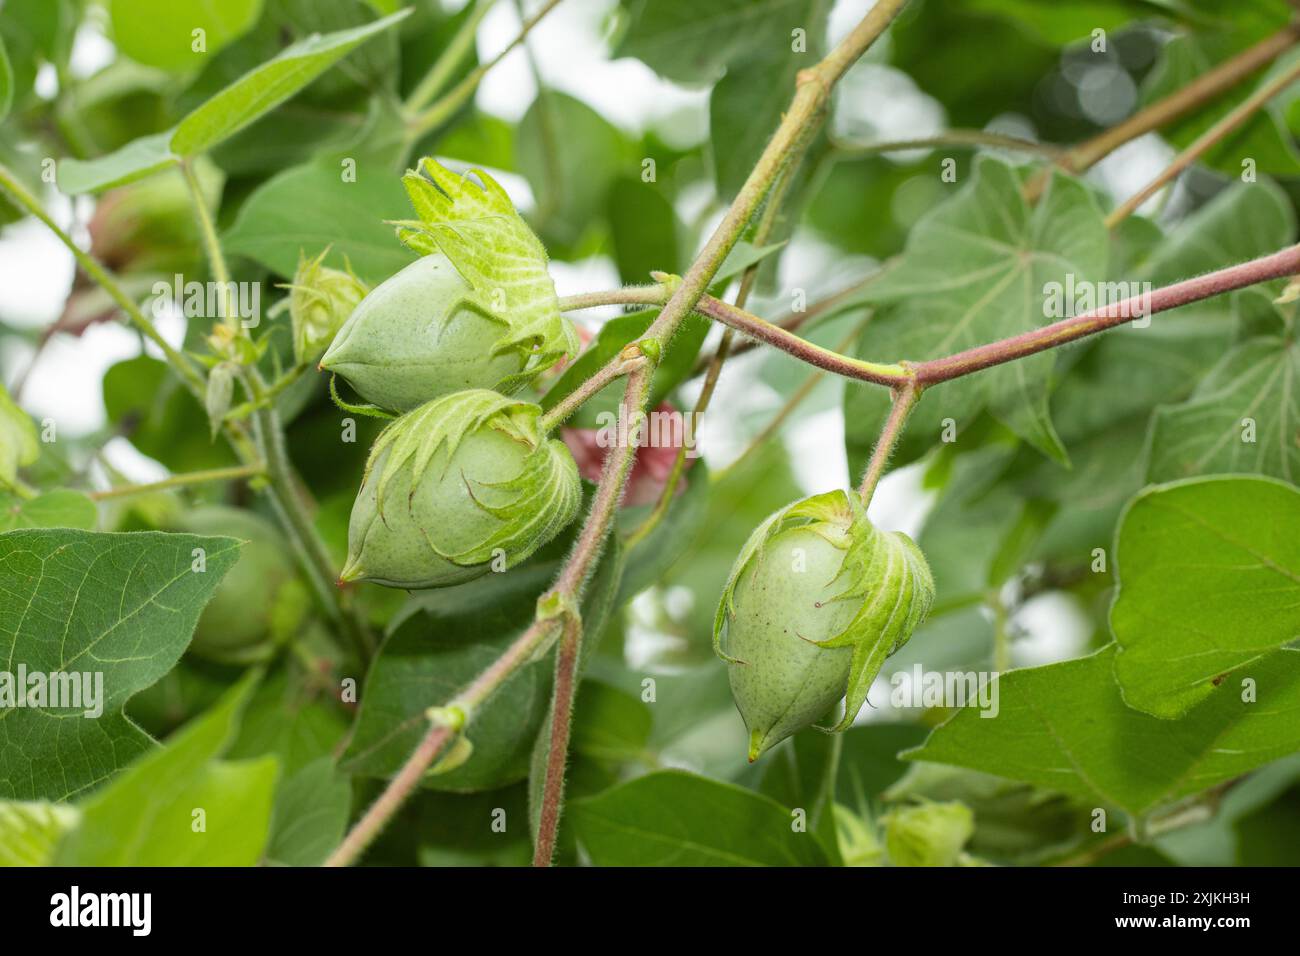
[571, 49]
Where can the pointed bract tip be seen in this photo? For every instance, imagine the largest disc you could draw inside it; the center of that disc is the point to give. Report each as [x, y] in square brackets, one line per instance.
[755, 744]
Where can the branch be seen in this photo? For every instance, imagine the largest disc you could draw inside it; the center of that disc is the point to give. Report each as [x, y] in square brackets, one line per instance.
[1205, 142]
[974, 138]
[905, 398]
[1275, 266]
[181, 481]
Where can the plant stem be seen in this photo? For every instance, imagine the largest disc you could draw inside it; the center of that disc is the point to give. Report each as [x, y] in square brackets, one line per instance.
[1275, 266]
[183, 366]
[628, 295]
[449, 60]
[212, 245]
[607, 373]
[1205, 142]
[801, 349]
[953, 137]
[573, 578]
[524, 648]
[181, 481]
[1203, 89]
[905, 398]
[429, 119]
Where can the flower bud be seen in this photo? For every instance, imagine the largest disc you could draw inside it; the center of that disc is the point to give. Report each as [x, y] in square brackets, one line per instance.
[261, 601]
[477, 310]
[931, 834]
[816, 601]
[320, 301]
[465, 483]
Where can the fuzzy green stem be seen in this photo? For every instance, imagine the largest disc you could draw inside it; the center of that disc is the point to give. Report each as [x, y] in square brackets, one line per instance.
[185, 480]
[971, 138]
[905, 398]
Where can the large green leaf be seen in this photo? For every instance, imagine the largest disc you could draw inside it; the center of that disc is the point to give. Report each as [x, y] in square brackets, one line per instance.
[161, 33]
[1066, 727]
[309, 208]
[180, 805]
[235, 107]
[671, 818]
[118, 605]
[1244, 416]
[1209, 574]
[61, 508]
[975, 271]
[688, 43]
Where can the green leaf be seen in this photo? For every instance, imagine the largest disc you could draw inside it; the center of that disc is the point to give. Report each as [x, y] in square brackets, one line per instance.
[309, 208]
[975, 271]
[1209, 574]
[310, 816]
[609, 724]
[62, 508]
[6, 80]
[150, 815]
[570, 155]
[117, 606]
[269, 85]
[643, 226]
[1244, 416]
[672, 818]
[18, 443]
[678, 40]
[162, 33]
[1066, 727]
[30, 832]
[747, 104]
[137, 159]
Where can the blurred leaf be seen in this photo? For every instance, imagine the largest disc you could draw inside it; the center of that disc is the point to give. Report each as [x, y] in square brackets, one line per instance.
[148, 815]
[164, 33]
[975, 271]
[310, 815]
[644, 229]
[126, 605]
[30, 832]
[1066, 727]
[801, 774]
[570, 155]
[674, 40]
[6, 80]
[61, 508]
[672, 818]
[306, 209]
[135, 160]
[1209, 574]
[609, 724]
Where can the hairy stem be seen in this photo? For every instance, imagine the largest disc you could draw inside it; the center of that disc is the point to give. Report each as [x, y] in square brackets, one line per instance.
[905, 398]
[1275, 266]
[954, 137]
[1205, 142]
[570, 403]
[182, 481]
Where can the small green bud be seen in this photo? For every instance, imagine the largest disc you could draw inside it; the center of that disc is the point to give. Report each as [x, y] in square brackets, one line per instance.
[18, 443]
[816, 601]
[928, 834]
[261, 601]
[478, 310]
[216, 398]
[320, 301]
[465, 483]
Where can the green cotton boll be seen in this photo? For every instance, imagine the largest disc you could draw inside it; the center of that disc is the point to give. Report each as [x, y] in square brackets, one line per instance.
[930, 834]
[414, 339]
[260, 603]
[462, 485]
[816, 600]
[477, 310]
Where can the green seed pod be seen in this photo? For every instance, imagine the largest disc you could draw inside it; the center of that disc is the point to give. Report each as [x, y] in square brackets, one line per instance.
[452, 488]
[930, 834]
[260, 602]
[320, 301]
[816, 601]
[478, 310]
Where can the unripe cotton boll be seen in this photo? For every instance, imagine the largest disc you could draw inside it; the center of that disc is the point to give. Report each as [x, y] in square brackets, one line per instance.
[816, 601]
[462, 484]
